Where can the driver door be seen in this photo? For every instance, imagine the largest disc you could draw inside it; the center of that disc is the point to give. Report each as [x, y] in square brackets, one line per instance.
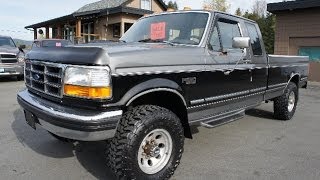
[229, 77]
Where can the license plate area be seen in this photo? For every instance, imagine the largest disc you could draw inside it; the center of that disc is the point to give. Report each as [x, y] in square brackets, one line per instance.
[31, 119]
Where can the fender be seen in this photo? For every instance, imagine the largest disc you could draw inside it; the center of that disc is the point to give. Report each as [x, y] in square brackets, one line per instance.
[292, 76]
[150, 86]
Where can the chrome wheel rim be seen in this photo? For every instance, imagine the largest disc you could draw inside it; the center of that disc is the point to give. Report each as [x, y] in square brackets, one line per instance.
[155, 151]
[291, 101]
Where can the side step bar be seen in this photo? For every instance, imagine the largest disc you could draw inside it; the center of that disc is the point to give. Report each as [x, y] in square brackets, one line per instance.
[223, 119]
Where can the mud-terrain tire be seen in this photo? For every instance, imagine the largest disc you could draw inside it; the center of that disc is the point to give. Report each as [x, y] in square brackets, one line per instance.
[285, 105]
[148, 144]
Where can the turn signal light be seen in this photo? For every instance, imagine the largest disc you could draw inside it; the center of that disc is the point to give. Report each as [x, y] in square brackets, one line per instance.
[87, 92]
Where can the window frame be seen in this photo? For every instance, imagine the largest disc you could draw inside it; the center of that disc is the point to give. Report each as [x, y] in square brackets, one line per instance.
[143, 5]
[216, 25]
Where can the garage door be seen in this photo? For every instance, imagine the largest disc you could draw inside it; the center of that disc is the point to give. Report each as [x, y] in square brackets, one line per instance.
[312, 52]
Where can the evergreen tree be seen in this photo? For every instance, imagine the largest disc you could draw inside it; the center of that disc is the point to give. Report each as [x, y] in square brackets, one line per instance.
[172, 5]
[238, 12]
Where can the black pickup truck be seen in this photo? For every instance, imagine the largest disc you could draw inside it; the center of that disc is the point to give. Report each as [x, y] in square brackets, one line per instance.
[170, 71]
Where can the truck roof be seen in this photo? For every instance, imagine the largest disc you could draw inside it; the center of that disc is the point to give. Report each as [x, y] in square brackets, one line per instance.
[201, 10]
[5, 36]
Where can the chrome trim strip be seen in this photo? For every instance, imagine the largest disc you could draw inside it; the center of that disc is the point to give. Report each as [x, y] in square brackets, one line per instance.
[210, 99]
[276, 85]
[291, 65]
[191, 71]
[216, 98]
[198, 101]
[258, 89]
[156, 90]
[77, 135]
[287, 56]
[227, 100]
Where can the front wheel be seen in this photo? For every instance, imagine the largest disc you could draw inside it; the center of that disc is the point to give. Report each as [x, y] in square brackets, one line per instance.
[148, 144]
[285, 105]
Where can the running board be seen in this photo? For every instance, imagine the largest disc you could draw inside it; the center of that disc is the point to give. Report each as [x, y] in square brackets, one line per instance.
[224, 119]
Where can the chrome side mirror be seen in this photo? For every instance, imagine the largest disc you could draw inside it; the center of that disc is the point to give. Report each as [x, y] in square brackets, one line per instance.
[241, 42]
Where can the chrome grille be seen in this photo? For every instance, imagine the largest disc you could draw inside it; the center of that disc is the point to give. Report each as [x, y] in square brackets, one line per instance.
[44, 77]
[8, 58]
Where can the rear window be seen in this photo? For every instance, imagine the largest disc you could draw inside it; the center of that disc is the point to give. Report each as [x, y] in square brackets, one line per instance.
[255, 40]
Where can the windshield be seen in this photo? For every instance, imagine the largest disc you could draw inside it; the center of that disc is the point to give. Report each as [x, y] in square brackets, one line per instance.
[179, 28]
[5, 41]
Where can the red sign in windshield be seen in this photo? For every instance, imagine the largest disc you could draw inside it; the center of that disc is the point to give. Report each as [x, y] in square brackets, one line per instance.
[158, 31]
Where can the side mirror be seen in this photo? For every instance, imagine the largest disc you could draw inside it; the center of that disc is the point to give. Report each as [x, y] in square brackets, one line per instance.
[241, 42]
[21, 47]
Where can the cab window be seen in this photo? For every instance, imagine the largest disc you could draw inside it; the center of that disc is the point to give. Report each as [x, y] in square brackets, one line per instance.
[228, 30]
[223, 34]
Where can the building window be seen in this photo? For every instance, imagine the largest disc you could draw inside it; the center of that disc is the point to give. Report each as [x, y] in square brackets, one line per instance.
[146, 4]
[116, 30]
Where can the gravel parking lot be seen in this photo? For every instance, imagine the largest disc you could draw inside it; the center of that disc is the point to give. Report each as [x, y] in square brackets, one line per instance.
[255, 147]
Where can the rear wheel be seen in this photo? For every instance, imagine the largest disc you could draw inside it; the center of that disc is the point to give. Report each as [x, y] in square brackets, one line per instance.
[285, 105]
[148, 144]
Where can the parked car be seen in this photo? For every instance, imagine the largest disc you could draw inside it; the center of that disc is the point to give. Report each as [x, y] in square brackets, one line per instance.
[51, 43]
[11, 58]
[171, 71]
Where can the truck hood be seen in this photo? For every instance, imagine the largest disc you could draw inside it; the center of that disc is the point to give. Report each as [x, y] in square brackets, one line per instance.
[8, 50]
[119, 55]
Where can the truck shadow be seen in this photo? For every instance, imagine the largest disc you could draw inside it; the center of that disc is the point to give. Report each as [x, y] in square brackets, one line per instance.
[91, 155]
[8, 79]
[259, 113]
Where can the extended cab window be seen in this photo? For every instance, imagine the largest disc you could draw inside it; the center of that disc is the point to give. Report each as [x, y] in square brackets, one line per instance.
[255, 40]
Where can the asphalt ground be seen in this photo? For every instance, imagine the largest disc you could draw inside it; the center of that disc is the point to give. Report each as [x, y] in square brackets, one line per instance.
[255, 147]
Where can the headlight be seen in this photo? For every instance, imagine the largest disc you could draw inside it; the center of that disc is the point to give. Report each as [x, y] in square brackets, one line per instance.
[91, 82]
[21, 57]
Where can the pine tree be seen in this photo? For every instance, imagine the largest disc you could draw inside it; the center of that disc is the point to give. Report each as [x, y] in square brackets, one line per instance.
[238, 12]
[172, 5]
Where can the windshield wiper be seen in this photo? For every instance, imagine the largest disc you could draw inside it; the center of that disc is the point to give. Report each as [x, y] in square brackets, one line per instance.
[156, 41]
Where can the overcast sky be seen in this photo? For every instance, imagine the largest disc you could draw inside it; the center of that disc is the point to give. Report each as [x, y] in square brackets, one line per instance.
[16, 14]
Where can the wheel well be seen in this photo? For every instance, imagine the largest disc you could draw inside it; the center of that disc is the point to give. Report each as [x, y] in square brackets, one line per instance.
[295, 79]
[162, 98]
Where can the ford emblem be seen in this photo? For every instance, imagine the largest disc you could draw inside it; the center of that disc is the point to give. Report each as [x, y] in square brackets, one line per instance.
[36, 76]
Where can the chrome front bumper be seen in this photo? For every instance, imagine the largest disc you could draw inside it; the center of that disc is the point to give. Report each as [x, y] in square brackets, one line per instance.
[11, 69]
[72, 123]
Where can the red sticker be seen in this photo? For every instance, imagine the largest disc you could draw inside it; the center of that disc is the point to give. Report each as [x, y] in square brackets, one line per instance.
[158, 31]
[58, 44]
